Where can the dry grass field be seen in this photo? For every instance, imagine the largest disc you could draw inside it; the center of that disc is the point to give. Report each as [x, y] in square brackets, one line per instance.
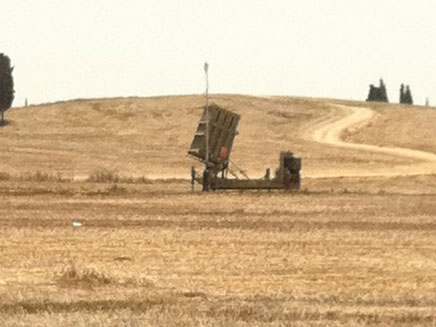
[355, 247]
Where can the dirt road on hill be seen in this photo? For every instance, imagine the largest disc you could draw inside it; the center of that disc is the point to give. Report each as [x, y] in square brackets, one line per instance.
[329, 132]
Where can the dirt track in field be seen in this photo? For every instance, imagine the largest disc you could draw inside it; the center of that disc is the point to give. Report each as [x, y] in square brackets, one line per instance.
[330, 130]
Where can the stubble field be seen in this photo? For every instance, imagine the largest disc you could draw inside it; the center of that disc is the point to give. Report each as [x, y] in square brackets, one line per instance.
[355, 247]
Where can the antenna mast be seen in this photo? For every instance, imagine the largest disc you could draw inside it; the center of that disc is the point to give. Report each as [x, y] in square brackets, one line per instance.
[206, 68]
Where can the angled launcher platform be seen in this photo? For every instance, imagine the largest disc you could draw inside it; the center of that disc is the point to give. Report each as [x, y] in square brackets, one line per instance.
[221, 126]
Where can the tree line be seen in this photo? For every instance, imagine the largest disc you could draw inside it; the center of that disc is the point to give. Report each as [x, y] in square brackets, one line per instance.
[379, 94]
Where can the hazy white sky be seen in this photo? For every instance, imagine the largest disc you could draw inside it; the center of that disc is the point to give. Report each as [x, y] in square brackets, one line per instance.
[65, 49]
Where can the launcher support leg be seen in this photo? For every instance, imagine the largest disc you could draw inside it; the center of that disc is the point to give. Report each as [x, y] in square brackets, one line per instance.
[193, 173]
[206, 180]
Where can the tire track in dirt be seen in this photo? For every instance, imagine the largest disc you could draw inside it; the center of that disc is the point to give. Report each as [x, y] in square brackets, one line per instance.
[329, 132]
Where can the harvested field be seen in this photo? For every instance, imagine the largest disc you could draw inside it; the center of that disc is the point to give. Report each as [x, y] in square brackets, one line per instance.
[355, 247]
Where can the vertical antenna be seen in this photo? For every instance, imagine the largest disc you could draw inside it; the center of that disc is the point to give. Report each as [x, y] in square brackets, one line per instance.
[206, 67]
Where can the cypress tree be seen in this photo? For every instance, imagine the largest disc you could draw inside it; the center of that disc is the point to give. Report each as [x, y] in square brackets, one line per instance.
[371, 95]
[6, 86]
[383, 92]
[408, 96]
[378, 94]
[402, 93]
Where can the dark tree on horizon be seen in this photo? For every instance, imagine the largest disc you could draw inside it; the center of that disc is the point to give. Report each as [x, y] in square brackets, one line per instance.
[383, 92]
[402, 93]
[408, 96]
[6, 86]
[405, 95]
[378, 94]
